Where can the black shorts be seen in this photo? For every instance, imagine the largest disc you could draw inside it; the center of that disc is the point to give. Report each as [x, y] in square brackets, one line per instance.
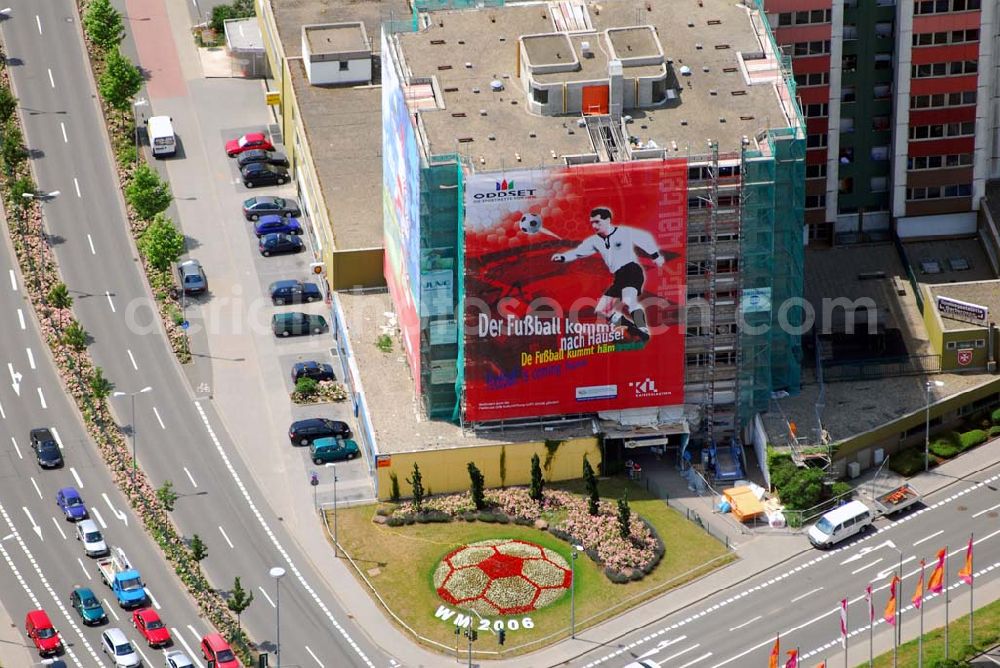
[630, 275]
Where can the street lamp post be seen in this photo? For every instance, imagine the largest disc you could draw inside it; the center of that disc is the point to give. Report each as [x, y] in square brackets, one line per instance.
[897, 633]
[41, 197]
[927, 422]
[141, 102]
[131, 395]
[336, 545]
[576, 549]
[277, 573]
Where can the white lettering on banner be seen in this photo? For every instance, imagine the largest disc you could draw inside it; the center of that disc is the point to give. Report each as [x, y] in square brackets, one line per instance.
[444, 613]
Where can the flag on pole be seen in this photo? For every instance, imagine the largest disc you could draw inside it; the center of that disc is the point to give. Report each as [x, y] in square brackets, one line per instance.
[890, 608]
[871, 604]
[918, 597]
[965, 575]
[936, 582]
[843, 622]
[793, 659]
[775, 653]
[822, 664]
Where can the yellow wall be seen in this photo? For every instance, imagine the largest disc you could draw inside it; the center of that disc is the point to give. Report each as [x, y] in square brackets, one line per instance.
[446, 470]
[939, 337]
[356, 268]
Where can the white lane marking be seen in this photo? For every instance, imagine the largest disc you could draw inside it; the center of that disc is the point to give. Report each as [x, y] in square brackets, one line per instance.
[100, 520]
[983, 512]
[59, 528]
[746, 623]
[223, 532]
[19, 456]
[90, 240]
[15, 379]
[190, 653]
[108, 294]
[51, 80]
[190, 477]
[274, 540]
[83, 568]
[315, 658]
[63, 126]
[55, 433]
[20, 319]
[117, 513]
[76, 184]
[266, 596]
[683, 651]
[31, 357]
[37, 491]
[3, 414]
[13, 281]
[158, 418]
[145, 658]
[76, 476]
[799, 598]
[38, 22]
[109, 608]
[156, 604]
[45, 583]
[41, 398]
[926, 538]
[700, 658]
[132, 359]
[34, 527]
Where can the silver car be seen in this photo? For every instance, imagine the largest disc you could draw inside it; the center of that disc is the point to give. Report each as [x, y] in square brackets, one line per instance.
[116, 645]
[93, 542]
[176, 659]
[192, 277]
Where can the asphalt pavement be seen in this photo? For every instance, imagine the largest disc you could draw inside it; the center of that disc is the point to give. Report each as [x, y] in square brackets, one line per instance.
[180, 436]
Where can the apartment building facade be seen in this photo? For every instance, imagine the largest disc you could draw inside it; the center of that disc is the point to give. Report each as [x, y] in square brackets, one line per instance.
[900, 119]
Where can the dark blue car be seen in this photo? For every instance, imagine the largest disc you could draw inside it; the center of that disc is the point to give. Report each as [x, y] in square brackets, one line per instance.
[71, 503]
[276, 225]
[294, 292]
[277, 244]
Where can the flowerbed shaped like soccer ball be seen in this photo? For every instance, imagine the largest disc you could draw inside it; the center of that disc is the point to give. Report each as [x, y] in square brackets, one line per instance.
[502, 577]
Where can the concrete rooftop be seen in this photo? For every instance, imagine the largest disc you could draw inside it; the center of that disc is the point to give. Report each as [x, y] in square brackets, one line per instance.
[337, 38]
[466, 50]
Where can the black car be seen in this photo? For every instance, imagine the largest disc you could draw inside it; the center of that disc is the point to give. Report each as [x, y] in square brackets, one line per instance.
[297, 323]
[261, 174]
[259, 155]
[312, 369]
[304, 432]
[294, 292]
[267, 205]
[276, 244]
[46, 448]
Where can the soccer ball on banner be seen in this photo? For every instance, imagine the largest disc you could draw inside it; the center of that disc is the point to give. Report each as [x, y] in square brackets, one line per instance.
[531, 223]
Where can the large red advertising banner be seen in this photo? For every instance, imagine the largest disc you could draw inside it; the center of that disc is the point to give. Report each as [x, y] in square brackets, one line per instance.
[574, 286]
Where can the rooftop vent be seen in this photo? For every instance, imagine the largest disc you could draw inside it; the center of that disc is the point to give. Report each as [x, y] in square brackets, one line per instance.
[685, 71]
[720, 47]
[465, 140]
[451, 90]
[714, 22]
[491, 137]
[737, 92]
[698, 45]
[585, 50]
[482, 112]
[444, 67]
[437, 42]
[712, 91]
[581, 122]
[532, 135]
[496, 85]
[468, 66]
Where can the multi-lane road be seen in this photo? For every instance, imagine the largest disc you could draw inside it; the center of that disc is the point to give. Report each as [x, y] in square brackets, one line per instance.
[180, 436]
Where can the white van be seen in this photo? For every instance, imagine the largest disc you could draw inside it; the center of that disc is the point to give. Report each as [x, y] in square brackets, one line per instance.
[840, 523]
[161, 136]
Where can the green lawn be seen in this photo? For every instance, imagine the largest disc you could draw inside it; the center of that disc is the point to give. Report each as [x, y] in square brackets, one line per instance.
[986, 633]
[400, 563]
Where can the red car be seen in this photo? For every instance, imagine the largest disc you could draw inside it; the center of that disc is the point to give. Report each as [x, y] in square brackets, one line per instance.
[247, 142]
[39, 628]
[215, 648]
[148, 623]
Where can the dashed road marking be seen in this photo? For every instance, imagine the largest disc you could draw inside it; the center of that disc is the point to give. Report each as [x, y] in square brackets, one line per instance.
[315, 658]
[190, 653]
[223, 532]
[131, 358]
[191, 478]
[51, 80]
[13, 281]
[20, 319]
[926, 538]
[41, 398]
[158, 418]
[37, 491]
[76, 476]
[76, 184]
[83, 568]
[63, 126]
[31, 358]
[110, 303]
[59, 528]
[262, 591]
[17, 449]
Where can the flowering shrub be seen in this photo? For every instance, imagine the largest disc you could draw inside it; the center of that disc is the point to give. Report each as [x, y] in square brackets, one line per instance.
[502, 577]
[630, 557]
[326, 391]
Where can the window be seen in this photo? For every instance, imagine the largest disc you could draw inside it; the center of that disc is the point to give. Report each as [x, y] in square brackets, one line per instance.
[880, 123]
[880, 153]
[943, 100]
[727, 265]
[816, 171]
[846, 185]
[849, 62]
[816, 141]
[939, 131]
[939, 192]
[850, 32]
[883, 61]
[943, 6]
[696, 359]
[344, 65]
[816, 110]
[816, 48]
[878, 184]
[805, 18]
[882, 91]
[883, 29]
[812, 79]
[846, 124]
[540, 95]
[953, 37]
[848, 94]
[815, 201]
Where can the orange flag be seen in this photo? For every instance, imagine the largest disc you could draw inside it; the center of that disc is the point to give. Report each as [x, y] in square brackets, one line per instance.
[936, 582]
[918, 597]
[775, 653]
[965, 575]
[822, 664]
[890, 608]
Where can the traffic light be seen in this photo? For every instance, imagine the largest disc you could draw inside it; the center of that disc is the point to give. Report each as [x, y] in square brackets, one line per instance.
[501, 635]
[262, 660]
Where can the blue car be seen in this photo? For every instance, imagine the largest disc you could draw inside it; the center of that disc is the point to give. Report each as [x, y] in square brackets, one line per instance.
[71, 503]
[276, 225]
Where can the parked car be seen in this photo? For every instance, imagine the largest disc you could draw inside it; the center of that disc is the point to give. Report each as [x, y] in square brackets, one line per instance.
[46, 448]
[261, 155]
[248, 142]
[71, 503]
[39, 628]
[149, 625]
[326, 450]
[192, 277]
[93, 542]
[215, 648]
[312, 369]
[294, 292]
[87, 606]
[276, 225]
[116, 645]
[297, 323]
[177, 659]
[263, 205]
[258, 174]
[279, 244]
[304, 432]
